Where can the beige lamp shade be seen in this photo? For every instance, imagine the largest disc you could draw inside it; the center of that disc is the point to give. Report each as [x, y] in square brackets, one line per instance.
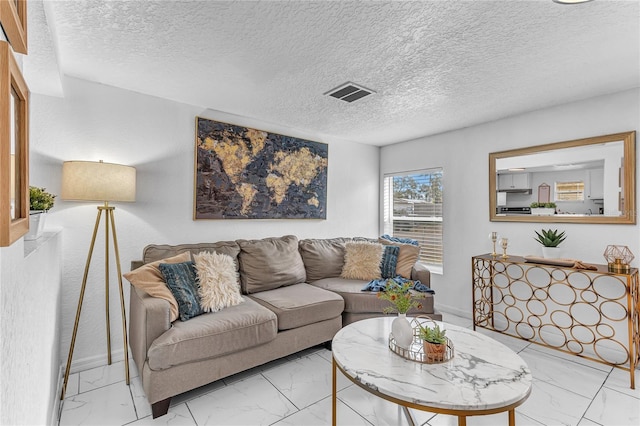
[98, 181]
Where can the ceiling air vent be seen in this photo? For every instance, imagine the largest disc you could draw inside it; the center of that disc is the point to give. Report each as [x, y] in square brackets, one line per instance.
[349, 92]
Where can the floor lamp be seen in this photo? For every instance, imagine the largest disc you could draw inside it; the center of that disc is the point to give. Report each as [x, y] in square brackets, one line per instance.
[104, 182]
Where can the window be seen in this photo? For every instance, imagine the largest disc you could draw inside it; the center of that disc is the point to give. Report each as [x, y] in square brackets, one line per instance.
[569, 191]
[413, 209]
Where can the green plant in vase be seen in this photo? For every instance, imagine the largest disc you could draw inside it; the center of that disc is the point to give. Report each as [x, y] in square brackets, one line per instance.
[402, 299]
[434, 342]
[40, 199]
[40, 202]
[550, 239]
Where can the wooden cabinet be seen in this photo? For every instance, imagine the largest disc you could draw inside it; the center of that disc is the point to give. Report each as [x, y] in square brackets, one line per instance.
[590, 313]
[507, 181]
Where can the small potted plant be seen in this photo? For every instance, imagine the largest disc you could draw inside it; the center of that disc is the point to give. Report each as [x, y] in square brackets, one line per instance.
[40, 202]
[550, 239]
[402, 300]
[434, 342]
[543, 209]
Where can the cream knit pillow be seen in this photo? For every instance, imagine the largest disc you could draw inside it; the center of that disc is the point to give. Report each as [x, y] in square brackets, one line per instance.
[362, 261]
[219, 286]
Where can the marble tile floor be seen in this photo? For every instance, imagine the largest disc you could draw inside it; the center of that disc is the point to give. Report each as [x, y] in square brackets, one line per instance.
[296, 391]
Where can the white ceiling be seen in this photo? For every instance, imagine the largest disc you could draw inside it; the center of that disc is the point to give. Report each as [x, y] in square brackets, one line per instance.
[435, 65]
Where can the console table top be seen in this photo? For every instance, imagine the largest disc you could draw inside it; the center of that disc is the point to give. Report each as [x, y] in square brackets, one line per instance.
[601, 269]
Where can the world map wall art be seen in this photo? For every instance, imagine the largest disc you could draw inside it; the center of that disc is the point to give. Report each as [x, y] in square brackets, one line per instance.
[244, 173]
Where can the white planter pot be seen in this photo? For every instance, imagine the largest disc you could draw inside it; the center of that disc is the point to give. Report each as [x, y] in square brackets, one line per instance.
[551, 252]
[543, 211]
[36, 225]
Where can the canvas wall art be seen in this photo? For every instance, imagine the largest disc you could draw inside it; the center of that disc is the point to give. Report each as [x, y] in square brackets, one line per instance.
[244, 173]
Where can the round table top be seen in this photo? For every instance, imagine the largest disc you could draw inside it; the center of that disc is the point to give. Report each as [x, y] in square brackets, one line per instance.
[483, 374]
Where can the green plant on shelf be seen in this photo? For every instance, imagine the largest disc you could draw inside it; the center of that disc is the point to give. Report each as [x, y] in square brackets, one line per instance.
[40, 199]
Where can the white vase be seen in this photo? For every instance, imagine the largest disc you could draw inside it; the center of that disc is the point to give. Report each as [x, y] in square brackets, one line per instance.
[36, 225]
[551, 252]
[402, 331]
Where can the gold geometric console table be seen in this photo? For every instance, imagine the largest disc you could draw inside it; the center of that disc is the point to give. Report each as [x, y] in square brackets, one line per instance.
[594, 314]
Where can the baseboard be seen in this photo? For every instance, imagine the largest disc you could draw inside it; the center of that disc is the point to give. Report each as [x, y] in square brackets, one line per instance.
[444, 309]
[88, 363]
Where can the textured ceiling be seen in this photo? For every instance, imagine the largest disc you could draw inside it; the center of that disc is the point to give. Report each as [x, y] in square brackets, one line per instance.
[435, 65]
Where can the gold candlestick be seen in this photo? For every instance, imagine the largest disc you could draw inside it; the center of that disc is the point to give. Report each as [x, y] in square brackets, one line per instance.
[494, 237]
[504, 243]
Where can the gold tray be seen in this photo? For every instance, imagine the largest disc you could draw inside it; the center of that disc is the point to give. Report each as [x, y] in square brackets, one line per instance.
[415, 352]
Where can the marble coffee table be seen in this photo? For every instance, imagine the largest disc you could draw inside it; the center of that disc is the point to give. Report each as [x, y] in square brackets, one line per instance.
[483, 377]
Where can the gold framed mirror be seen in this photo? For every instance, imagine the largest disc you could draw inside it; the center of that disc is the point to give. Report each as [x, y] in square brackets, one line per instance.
[14, 149]
[13, 17]
[590, 180]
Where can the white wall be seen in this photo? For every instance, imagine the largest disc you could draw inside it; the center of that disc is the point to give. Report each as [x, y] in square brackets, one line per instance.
[94, 122]
[30, 331]
[464, 156]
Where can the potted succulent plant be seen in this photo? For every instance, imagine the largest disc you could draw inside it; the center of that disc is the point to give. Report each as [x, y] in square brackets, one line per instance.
[40, 202]
[434, 342]
[550, 239]
[543, 209]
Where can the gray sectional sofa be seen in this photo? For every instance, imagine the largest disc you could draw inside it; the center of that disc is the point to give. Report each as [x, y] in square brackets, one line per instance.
[294, 299]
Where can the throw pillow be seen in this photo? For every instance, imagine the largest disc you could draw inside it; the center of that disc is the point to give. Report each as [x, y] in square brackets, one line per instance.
[362, 261]
[219, 286]
[389, 261]
[323, 258]
[407, 257]
[149, 279]
[270, 263]
[400, 240]
[181, 279]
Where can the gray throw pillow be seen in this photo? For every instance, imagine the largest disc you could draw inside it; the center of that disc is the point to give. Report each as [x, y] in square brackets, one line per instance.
[270, 263]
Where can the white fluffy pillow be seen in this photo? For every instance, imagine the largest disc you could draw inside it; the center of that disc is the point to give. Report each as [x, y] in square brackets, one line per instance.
[219, 286]
[362, 261]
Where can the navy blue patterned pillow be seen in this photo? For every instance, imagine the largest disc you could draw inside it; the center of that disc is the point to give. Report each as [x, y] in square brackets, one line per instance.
[389, 261]
[181, 280]
[400, 240]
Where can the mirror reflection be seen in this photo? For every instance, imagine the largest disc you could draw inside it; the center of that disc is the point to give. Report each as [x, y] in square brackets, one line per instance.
[589, 180]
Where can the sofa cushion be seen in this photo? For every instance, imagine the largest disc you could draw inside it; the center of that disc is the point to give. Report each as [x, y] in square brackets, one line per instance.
[181, 279]
[358, 301]
[362, 260]
[300, 304]
[389, 261]
[149, 279]
[407, 257]
[219, 286]
[213, 334]
[270, 263]
[323, 258]
[154, 252]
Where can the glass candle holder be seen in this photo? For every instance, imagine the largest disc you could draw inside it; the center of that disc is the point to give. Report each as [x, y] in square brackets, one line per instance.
[504, 243]
[493, 236]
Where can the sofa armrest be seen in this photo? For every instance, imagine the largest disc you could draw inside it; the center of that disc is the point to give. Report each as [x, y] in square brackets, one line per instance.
[149, 318]
[421, 273]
